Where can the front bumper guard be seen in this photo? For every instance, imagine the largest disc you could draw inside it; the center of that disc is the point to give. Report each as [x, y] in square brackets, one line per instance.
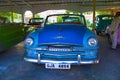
[79, 61]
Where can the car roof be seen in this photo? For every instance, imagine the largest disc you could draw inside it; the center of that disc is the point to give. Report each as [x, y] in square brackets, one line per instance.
[105, 15]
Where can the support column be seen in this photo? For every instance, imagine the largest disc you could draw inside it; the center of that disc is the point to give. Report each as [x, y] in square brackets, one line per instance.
[94, 9]
[11, 9]
[33, 14]
[12, 17]
[23, 17]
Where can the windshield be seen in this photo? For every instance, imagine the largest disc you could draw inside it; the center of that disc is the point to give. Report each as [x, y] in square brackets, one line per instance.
[36, 20]
[65, 19]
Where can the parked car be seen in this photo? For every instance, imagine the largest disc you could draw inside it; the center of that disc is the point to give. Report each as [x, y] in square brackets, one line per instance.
[102, 22]
[10, 33]
[36, 22]
[63, 41]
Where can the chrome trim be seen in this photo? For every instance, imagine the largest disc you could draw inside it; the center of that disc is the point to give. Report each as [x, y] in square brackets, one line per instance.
[36, 48]
[38, 58]
[31, 60]
[79, 59]
[61, 62]
[47, 54]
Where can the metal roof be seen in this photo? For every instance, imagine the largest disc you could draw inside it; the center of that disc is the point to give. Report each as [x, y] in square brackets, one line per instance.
[20, 6]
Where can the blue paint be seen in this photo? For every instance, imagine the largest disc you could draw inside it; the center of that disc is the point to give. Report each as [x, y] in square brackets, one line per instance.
[3, 68]
[74, 36]
[62, 33]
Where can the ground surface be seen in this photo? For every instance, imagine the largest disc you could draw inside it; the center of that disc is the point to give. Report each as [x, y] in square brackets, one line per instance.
[13, 67]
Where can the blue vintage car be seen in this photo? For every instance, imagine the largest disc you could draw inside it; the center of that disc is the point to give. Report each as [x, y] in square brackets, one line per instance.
[63, 41]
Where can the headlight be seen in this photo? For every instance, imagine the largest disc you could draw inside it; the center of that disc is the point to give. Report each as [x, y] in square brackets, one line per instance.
[28, 41]
[92, 41]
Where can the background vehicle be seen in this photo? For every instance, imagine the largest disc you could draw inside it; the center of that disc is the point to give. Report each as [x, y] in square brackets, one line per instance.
[102, 22]
[36, 22]
[63, 41]
[10, 33]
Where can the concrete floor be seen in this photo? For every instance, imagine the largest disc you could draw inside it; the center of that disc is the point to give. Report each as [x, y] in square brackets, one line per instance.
[13, 67]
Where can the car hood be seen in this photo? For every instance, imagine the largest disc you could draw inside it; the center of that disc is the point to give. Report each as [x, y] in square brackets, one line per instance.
[62, 34]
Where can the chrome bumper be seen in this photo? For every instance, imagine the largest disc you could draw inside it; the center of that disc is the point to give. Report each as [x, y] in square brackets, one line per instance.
[79, 61]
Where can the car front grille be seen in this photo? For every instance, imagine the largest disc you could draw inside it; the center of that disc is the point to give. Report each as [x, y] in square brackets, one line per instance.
[59, 49]
[60, 56]
[64, 48]
[61, 53]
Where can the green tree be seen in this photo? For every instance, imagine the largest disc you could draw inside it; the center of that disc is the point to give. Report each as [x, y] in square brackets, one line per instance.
[9, 15]
[71, 12]
[59, 19]
[37, 15]
[6, 14]
[103, 12]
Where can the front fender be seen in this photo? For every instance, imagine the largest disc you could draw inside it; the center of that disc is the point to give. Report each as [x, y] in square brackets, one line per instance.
[89, 34]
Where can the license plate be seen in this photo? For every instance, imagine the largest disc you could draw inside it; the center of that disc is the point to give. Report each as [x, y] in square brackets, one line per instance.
[57, 66]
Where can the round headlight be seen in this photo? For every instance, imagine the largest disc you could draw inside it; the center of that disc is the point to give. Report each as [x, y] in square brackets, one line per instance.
[29, 41]
[92, 41]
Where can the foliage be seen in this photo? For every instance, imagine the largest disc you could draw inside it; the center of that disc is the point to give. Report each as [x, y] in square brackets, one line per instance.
[9, 15]
[103, 12]
[59, 19]
[37, 15]
[71, 12]
[89, 25]
[5, 14]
